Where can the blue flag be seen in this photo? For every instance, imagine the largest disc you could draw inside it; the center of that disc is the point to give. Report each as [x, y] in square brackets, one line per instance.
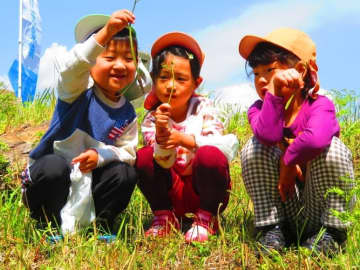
[31, 34]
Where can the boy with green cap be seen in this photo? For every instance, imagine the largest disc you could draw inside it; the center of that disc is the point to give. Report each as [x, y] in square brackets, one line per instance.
[94, 126]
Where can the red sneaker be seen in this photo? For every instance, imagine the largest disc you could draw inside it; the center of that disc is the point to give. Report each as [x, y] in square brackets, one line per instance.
[205, 224]
[163, 224]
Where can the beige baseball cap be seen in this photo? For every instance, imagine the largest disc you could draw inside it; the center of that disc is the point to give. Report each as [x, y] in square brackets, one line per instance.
[292, 40]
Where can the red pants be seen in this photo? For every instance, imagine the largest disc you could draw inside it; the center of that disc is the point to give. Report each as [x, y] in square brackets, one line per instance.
[165, 189]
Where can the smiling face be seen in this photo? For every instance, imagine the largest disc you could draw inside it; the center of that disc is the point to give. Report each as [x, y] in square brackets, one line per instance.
[114, 68]
[183, 82]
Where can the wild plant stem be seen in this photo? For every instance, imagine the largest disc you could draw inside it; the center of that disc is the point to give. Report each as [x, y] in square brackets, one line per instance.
[289, 101]
[132, 46]
[134, 59]
[131, 38]
[134, 5]
[133, 55]
[173, 82]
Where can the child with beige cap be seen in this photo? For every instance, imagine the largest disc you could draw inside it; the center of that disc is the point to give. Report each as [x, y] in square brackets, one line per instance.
[295, 155]
[184, 166]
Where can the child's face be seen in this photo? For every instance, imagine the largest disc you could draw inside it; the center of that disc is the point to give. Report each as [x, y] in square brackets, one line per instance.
[183, 82]
[264, 76]
[114, 68]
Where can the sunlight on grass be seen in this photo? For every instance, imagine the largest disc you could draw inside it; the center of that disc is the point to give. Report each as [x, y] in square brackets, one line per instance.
[24, 246]
[13, 114]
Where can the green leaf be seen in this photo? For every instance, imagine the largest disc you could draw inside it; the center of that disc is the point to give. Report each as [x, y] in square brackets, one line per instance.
[289, 101]
[190, 56]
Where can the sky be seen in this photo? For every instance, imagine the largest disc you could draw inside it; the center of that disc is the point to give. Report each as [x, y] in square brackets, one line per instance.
[218, 26]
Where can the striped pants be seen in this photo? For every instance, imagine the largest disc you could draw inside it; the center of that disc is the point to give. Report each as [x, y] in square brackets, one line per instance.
[260, 171]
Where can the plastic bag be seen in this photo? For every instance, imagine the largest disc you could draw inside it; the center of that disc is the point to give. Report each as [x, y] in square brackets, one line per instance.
[79, 209]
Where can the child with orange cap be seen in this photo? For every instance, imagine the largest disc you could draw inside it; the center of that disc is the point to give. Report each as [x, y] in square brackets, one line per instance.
[296, 155]
[184, 166]
[94, 125]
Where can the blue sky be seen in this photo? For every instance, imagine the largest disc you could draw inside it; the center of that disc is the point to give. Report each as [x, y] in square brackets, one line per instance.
[218, 26]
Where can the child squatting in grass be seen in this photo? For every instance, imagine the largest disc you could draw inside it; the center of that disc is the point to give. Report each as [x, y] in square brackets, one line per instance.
[184, 166]
[93, 123]
[295, 155]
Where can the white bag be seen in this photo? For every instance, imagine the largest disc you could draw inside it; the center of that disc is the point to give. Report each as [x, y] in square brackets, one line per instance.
[79, 209]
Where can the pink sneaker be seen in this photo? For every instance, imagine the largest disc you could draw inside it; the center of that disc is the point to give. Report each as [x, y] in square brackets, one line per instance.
[205, 224]
[163, 224]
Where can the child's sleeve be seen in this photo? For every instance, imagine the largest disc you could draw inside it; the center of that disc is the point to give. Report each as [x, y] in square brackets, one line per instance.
[266, 119]
[73, 68]
[148, 129]
[212, 131]
[164, 157]
[320, 128]
[124, 149]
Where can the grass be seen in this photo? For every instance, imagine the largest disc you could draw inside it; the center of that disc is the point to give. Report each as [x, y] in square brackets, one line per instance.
[32, 113]
[23, 246]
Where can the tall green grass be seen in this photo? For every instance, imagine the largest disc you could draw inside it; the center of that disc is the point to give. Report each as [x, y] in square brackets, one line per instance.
[24, 246]
[13, 114]
[347, 105]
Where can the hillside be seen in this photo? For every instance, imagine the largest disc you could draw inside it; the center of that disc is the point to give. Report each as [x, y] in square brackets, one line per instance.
[24, 246]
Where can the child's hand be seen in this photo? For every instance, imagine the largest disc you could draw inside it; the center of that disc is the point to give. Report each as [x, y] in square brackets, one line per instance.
[162, 116]
[173, 140]
[88, 160]
[177, 138]
[288, 175]
[287, 78]
[118, 21]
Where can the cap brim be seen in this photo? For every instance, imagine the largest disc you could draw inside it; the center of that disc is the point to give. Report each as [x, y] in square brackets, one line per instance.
[248, 43]
[151, 100]
[88, 25]
[178, 39]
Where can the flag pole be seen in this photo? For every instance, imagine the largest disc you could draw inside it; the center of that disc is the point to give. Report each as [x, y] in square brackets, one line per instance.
[20, 48]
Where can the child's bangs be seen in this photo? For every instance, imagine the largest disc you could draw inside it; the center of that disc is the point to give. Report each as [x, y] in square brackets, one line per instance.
[125, 35]
[125, 38]
[178, 51]
[263, 54]
[266, 53]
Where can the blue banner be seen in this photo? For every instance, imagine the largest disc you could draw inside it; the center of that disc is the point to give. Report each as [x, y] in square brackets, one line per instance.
[31, 34]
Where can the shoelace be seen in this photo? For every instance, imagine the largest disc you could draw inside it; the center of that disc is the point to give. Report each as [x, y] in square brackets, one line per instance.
[272, 236]
[326, 241]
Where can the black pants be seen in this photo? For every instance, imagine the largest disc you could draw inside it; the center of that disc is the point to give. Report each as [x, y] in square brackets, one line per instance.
[112, 186]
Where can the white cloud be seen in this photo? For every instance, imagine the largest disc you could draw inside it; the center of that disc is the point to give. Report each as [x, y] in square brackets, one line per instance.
[48, 74]
[239, 96]
[220, 42]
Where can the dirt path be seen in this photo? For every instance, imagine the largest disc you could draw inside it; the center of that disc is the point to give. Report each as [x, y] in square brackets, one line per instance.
[21, 140]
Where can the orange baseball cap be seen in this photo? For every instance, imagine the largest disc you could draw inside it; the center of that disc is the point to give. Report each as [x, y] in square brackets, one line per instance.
[178, 39]
[292, 40]
[165, 41]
